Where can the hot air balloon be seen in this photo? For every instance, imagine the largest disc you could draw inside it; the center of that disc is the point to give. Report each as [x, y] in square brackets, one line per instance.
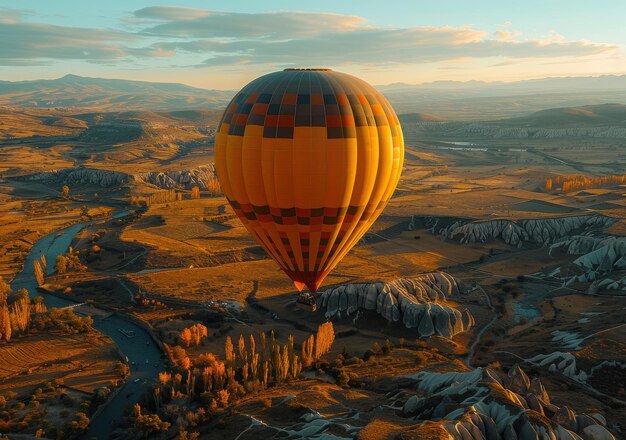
[308, 159]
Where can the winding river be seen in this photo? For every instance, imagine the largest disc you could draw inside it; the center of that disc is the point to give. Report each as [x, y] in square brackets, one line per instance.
[143, 355]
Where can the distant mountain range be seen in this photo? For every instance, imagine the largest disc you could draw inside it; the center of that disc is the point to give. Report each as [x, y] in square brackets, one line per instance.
[495, 88]
[446, 100]
[477, 100]
[109, 94]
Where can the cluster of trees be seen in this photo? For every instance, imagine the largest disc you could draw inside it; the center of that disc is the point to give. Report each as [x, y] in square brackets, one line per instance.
[64, 320]
[213, 186]
[148, 425]
[209, 383]
[20, 315]
[17, 315]
[253, 364]
[193, 335]
[69, 262]
[578, 182]
[32, 416]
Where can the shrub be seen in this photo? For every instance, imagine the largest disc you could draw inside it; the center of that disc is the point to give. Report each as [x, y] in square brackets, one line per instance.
[343, 379]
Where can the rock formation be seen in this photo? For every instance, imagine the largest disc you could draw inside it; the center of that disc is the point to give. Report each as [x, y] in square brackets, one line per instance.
[83, 175]
[518, 232]
[565, 363]
[418, 302]
[200, 177]
[480, 404]
[599, 256]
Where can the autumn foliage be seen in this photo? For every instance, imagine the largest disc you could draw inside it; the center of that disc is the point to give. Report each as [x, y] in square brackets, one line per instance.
[548, 184]
[250, 364]
[213, 186]
[69, 262]
[569, 183]
[319, 344]
[193, 335]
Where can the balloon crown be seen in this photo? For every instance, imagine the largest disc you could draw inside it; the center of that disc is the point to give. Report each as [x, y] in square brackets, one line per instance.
[322, 69]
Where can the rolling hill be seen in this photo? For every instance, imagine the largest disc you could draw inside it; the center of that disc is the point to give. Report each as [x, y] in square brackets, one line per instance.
[109, 94]
[589, 121]
[418, 117]
[588, 116]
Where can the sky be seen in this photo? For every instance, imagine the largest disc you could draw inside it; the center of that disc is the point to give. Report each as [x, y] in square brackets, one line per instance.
[225, 44]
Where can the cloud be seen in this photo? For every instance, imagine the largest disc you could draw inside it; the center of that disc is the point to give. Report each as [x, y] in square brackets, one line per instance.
[378, 46]
[170, 13]
[506, 35]
[197, 23]
[34, 40]
[302, 38]
[12, 15]
[227, 39]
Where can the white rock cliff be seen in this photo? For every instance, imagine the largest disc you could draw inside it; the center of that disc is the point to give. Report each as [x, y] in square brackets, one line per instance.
[417, 302]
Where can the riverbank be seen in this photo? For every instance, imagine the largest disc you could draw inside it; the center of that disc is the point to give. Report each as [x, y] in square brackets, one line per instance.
[144, 355]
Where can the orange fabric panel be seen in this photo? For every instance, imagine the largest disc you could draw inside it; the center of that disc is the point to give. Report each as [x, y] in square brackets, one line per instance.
[308, 159]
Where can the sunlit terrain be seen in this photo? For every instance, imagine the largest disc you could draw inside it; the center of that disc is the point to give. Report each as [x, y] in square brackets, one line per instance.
[486, 301]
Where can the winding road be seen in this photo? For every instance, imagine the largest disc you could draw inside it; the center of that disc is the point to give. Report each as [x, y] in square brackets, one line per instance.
[479, 335]
[143, 355]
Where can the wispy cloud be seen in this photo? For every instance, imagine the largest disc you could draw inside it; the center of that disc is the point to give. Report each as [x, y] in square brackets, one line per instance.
[222, 39]
[12, 15]
[25, 42]
[198, 23]
[285, 38]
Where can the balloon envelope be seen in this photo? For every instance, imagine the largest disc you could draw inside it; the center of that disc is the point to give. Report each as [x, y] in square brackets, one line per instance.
[308, 159]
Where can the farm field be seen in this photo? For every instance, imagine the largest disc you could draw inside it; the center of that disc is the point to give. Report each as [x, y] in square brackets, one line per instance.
[170, 261]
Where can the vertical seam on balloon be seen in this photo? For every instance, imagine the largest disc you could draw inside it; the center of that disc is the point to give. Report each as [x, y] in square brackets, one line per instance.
[356, 231]
[282, 248]
[318, 77]
[337, 87]
[296, 245]
[256, 223]
[368, 222]
[393, 181]
[272, 230]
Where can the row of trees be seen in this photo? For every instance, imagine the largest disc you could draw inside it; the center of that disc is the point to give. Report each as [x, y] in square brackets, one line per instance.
[39, 268]
[577, 182]
[170, 195]
[193, 335]
[159, 197]
[319, 344]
